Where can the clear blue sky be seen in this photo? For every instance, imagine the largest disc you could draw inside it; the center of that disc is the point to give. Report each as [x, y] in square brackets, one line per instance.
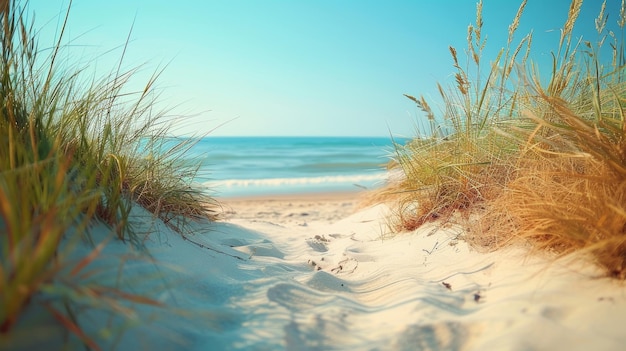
[288, 67]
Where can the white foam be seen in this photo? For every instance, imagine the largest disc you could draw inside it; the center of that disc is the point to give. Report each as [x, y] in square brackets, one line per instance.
[275, 182]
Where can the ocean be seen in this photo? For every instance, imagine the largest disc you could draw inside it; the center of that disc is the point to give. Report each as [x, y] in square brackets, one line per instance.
[249, 166]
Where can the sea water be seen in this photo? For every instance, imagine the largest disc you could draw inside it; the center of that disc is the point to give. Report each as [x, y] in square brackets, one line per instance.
[248, 166]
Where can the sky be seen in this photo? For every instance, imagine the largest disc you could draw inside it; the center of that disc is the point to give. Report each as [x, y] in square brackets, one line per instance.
[296, 67]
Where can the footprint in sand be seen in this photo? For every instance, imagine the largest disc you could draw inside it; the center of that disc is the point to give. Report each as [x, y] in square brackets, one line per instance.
[318, 243]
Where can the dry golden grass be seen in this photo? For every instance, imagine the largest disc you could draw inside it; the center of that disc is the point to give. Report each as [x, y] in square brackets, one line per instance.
[563, 206]
[570, 191]
[527, 161]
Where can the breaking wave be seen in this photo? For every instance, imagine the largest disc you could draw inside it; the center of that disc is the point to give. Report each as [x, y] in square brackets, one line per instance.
[274, 182]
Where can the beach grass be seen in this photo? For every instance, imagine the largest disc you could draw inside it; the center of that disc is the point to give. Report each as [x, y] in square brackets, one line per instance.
[75, 152]
[460, 159]
[537, 160]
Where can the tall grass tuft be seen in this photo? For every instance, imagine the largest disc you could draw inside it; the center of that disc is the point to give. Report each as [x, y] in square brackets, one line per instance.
[463, 162]
[570, 193]
[541, 161]
[73, 154]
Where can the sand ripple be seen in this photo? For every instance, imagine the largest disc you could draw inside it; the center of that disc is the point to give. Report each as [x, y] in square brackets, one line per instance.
[261, 284]
[342, 287]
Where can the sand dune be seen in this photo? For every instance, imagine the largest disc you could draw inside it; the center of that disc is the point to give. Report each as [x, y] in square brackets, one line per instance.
[316, 274]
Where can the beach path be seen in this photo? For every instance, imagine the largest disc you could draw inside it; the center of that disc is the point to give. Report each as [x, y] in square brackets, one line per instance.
[322, 273]
[342, 281]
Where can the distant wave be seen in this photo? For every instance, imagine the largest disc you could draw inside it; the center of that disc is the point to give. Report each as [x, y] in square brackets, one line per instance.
[241, 183]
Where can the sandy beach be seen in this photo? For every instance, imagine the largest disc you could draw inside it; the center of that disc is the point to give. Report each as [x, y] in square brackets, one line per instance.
[321, 273]
[424, 290]
[301, 210]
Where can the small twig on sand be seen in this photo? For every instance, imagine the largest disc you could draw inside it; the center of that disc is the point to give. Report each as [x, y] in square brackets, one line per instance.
[433, 249]
[212, 249]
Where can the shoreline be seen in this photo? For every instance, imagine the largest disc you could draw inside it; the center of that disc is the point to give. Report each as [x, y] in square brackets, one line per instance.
[293, 210]
[296, 196]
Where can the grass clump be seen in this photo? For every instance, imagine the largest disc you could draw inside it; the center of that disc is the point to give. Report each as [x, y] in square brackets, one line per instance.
[541, 161]
[460, 160]
[74, 153]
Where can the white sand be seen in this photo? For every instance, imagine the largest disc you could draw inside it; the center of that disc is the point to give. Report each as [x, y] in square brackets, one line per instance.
[309, 274]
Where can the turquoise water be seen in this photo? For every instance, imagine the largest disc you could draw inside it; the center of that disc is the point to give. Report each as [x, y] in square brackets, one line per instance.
[241, 166]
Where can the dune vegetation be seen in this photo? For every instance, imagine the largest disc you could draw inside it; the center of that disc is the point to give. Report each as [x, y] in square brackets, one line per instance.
[75, 151]
[512, 157]
[516, 157]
